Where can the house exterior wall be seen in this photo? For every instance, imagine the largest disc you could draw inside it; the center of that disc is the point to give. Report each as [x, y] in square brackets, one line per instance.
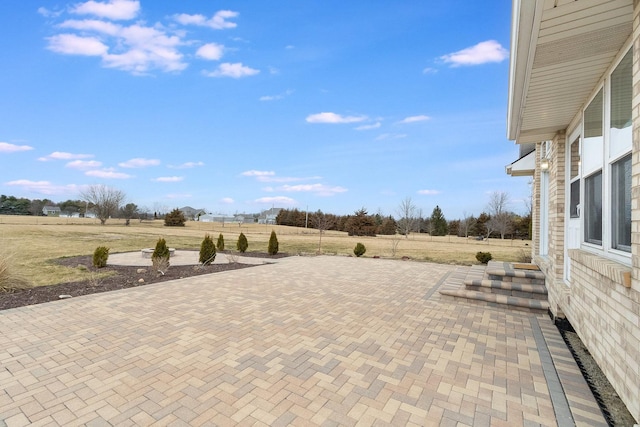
[552, 264]
[602, 298]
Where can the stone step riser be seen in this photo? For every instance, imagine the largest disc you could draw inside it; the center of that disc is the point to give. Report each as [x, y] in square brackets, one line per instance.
[522, 280]
[512, 301]
[509, 292]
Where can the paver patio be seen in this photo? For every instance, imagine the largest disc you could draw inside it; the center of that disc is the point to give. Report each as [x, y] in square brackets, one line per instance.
[306, 341]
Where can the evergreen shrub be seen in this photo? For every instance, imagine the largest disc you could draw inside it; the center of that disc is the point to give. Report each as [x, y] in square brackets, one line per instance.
[207, 250]
[242, 244]
[273, 244]
[100, 257]
[359, 250]
[484, 257]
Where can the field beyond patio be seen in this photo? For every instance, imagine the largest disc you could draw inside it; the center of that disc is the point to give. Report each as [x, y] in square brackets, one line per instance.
[35, 242]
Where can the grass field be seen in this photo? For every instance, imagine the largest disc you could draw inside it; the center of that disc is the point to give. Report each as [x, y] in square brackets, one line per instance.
[33, 242]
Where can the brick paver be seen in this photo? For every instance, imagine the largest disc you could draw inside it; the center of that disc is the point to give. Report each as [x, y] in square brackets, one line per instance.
[306, 341]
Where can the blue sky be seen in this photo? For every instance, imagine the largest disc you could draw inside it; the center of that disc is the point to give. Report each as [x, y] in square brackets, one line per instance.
[238, 106]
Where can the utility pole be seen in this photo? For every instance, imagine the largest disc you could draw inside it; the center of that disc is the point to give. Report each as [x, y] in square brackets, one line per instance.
[306, 218]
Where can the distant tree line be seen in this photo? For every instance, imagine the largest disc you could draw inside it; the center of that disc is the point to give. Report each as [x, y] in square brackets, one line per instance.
[507, 225]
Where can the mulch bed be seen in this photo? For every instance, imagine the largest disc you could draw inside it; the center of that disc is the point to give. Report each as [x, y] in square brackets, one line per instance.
[121, 277]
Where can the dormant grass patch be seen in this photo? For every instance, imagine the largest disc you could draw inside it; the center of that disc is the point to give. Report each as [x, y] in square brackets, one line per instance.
[35, 242]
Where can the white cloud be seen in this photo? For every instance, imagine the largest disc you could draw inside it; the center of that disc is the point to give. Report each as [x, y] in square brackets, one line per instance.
[319, 189]
[149, 48]
[258, 173]
[276, 97]
[278, 200]
[327, 117]
[169, 179]
[48, 13]
[70, 44]
[289, 47]
[219, 21]
[482, 53]
[210, 51]
[108, 173]
[112, 9]
[139, 163]
[5, 147]
[135, 48]
[236, 71]
[44, 187]
[414, 119]
[429, 70]
[270, 176]
[369, 127]
[187, 165]
[98, 26]
[62, 155]
[386, 136]
[227, 200]
[429, 192]
[84, 164]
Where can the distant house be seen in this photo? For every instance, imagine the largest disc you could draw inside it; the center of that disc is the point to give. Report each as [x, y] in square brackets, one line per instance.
[269, 216]
[192, 213]
[206, 218]
[51, 211]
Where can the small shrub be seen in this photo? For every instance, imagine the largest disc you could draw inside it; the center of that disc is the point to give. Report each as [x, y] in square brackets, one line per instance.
[524, 257]
[100, 257]
[273, 244]
[242, 244]
[207, 250]
[232, 257]
[484, 257]
[175, 218]
[160, 264]
[160, 256]
[359, 250]
[10, 279]
[220, 243]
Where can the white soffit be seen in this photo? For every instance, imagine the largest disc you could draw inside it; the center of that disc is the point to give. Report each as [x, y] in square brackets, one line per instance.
[563, 48]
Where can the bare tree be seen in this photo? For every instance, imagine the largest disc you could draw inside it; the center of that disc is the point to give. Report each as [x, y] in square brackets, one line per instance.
[105, 200]
[406, 217]
[498, 201]
[501, 219]
[322, 222]
[466, 223]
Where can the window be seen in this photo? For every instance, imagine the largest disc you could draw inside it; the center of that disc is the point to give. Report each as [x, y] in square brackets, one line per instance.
[593, 209]
[621, 204]
[574, 198]
[601, 165]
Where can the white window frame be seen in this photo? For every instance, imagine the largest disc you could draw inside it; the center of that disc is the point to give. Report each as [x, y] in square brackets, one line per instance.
[605, 249]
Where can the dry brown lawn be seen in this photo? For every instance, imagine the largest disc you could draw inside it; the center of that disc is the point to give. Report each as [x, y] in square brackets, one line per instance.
[34, 242]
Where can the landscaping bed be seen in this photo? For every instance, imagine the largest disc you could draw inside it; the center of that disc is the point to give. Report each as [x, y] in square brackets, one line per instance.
[120, 277]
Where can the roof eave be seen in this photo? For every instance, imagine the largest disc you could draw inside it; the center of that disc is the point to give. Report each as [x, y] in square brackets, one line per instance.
[524, 32]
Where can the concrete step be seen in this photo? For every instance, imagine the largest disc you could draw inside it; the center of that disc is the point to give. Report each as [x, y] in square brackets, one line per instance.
[523, 290]
[525, 303]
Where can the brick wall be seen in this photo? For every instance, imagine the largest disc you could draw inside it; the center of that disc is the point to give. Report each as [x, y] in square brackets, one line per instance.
[606, 316]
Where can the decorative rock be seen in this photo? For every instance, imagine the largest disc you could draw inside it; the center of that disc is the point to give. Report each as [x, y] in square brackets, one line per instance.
[141, 280]
[64, 296]
[141, 270]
